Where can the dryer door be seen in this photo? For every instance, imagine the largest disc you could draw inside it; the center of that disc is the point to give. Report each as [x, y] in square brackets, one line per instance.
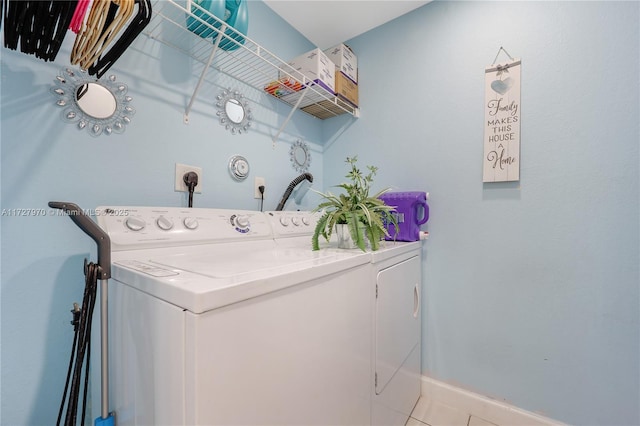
[397, 318]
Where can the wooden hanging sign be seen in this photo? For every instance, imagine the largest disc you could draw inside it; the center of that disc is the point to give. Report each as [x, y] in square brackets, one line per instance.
[502, 122]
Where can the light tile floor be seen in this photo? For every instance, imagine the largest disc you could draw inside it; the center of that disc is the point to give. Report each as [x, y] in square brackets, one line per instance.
[428, 413]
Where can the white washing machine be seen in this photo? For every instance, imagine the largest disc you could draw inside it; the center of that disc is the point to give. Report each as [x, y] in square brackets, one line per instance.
[395, 293]
[213, 323]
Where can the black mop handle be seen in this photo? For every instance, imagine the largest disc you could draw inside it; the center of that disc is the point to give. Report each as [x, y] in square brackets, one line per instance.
[90, 228]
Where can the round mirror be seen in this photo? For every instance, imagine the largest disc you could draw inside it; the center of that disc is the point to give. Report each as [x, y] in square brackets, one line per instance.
[95, 100]
[99, 106]
[300, 156]
[233, 111]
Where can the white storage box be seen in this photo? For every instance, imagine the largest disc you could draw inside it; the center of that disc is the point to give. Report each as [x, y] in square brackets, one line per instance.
[315, 66]
[345, 60]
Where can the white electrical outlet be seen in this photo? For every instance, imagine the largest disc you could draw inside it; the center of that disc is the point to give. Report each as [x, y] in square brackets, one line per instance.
[181, 170]
[259, 181]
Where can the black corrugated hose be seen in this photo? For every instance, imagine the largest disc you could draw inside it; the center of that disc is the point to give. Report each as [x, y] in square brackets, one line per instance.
[81, 348]
[290, 188]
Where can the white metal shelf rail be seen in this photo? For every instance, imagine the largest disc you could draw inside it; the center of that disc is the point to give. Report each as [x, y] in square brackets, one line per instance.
[249, 62]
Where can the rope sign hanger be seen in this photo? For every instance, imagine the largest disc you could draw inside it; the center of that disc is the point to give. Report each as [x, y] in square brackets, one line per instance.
[505, 67]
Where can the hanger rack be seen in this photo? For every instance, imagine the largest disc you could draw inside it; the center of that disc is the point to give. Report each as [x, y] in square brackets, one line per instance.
[249, 62]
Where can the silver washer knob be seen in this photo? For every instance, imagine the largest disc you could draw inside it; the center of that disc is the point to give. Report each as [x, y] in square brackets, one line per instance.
[135, 223]
[164, 223]
[242, 221]
[190, 222]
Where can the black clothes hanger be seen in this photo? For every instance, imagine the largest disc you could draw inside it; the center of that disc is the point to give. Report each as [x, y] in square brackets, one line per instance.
[38, 26]
[54, 22]
[135, 26]
[14, 16]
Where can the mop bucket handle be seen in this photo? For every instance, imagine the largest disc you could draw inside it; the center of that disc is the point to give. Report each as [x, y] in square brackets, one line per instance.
[90, 228]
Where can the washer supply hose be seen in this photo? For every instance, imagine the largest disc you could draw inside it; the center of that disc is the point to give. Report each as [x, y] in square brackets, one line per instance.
[291, 187]
[80, 350]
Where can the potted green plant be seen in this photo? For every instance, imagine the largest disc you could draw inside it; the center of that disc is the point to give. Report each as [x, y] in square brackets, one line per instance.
[364, 216]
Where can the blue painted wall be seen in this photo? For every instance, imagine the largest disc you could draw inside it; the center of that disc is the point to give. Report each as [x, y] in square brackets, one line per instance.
[45, 159]
[531, 287]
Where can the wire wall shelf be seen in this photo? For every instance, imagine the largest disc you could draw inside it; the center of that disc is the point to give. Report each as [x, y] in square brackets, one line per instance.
[178, 24]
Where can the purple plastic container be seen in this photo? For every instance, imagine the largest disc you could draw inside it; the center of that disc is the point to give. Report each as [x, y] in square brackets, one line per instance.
[411, 210]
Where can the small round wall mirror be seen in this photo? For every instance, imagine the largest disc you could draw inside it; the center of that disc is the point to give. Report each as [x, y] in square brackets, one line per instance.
[300, 156]
[233, 111]
[100, 106]
[95, 100]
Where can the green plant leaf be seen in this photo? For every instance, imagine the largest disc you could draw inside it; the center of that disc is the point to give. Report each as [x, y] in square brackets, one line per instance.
[355, 208]
[320, 226]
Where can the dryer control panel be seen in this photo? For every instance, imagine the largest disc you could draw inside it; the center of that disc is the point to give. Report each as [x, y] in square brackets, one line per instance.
[148, 227]
[292, 223]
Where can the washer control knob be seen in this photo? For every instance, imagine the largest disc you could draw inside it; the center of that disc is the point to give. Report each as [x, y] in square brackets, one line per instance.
[135, 223]
[190, 222]
[242, 221]
[295, 220]
[306, 221]
[284, 221]
[164, 223]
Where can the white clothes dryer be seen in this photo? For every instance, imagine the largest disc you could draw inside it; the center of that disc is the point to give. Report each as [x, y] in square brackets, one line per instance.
[214, 323]
[395, 289]
[397, 273]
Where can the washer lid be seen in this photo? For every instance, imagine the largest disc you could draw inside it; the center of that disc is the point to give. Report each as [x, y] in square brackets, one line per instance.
[227, 260]
[201, 278]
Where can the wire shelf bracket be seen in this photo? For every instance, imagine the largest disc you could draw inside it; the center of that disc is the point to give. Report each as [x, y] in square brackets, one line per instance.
[241, 58]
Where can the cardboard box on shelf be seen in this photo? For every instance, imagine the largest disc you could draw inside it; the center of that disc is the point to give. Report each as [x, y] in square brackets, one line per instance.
[315, 66]
[345, 60]
[346, 89]
[327, 109]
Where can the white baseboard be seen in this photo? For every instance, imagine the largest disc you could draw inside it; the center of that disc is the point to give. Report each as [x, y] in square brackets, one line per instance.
[442, 403]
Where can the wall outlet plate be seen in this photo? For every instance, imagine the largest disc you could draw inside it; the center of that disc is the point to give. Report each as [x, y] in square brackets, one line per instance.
[259, 181]
[181, 170]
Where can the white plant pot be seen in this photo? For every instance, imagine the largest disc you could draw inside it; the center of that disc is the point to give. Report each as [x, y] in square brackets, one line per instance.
[344, 237]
